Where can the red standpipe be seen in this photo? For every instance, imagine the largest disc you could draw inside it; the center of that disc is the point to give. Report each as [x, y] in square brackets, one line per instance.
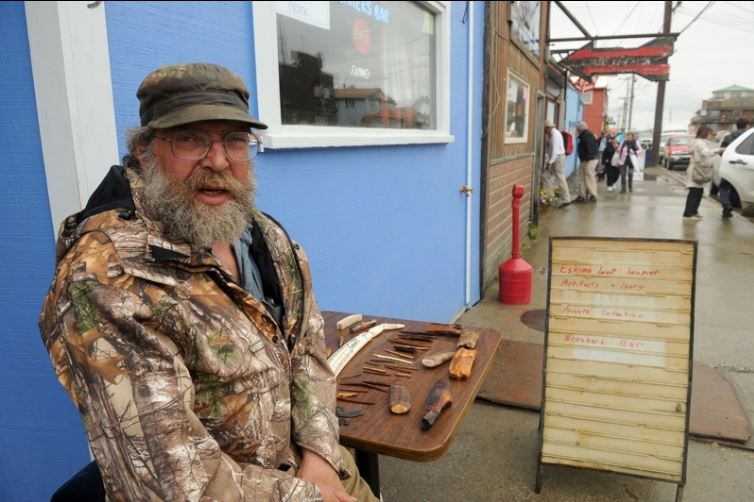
[515, 275]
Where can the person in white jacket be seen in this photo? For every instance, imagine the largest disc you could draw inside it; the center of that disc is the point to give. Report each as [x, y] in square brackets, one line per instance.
[699, 171]
[555, 161]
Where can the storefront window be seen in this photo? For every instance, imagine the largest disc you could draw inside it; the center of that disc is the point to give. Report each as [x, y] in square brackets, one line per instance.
[357, 64]
[525, 24]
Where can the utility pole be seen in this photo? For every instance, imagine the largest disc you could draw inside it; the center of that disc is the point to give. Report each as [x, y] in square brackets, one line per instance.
[625, 118]
[631, 102]
[660, 103]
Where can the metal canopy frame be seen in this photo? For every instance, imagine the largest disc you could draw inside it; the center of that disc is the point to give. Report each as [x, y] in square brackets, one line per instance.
[591, 38]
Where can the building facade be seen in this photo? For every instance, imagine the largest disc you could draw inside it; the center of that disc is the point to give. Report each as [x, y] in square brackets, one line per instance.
[595, 109]
[564, 107]
[370, 182]
[515, 108]
[725, 107]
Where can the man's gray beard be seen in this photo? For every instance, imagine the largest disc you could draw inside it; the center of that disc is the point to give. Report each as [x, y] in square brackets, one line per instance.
[174, 204]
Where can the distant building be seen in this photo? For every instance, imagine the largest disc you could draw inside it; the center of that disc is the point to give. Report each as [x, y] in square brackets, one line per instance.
[355, 104]
[725, 107]
[313, 89]
[370, 107]
[595, 108]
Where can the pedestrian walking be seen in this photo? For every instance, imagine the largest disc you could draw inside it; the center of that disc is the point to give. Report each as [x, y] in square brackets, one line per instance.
[726, 189]
[601, 154]
[699, 171]
[627, 161]
[612, 172]
[587, 150]
[555, 161]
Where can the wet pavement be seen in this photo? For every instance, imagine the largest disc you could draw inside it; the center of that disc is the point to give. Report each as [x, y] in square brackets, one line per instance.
[494, 454]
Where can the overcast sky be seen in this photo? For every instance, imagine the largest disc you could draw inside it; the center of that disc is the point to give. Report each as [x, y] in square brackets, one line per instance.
[715, 51]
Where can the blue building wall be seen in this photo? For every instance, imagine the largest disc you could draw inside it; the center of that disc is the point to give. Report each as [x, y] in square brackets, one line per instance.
[41, 440]
[574, 115]
[384, 226]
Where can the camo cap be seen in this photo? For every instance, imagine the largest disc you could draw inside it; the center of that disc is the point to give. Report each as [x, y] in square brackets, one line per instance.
[180, 94]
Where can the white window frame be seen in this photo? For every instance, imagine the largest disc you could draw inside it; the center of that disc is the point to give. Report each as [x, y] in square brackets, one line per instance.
[525, 139]
[281, 136]
[587, 97]
[70, 63]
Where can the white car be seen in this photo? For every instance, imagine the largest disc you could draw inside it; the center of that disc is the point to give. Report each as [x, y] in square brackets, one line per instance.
[737, 167]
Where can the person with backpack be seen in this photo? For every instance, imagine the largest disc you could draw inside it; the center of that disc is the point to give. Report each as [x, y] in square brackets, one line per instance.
[555, 156]
[587, 150]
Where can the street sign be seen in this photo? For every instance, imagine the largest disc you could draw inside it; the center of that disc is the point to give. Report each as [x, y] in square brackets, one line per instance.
[649, 61]
[618, 359]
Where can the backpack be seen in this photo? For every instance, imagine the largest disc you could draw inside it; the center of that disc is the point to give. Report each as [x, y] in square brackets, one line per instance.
[567, 142]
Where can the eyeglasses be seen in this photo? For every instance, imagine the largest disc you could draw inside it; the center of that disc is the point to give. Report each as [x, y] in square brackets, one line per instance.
[195, 145]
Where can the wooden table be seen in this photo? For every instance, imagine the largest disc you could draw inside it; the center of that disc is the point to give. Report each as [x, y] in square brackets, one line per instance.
[379, 432]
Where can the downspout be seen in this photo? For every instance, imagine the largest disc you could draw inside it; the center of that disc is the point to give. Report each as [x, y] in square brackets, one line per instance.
[565, 101]
[469, 151]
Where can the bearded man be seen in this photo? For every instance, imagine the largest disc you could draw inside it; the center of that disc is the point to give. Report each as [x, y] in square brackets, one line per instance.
[181, 319]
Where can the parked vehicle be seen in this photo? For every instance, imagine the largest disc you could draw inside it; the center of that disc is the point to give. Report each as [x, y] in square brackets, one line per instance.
[677, 151]
[663, 139]
[737, 167]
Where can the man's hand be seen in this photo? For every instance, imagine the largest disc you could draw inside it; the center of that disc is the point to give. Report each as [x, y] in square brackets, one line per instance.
[316, 469]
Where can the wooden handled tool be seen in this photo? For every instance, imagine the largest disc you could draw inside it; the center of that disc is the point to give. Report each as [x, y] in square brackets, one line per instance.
[461, 364]
[400, 399]
[436, 359]
[439, 399]
[362, 326]
[468, 339]
[348, 321]
[343, 325]
[443, 329]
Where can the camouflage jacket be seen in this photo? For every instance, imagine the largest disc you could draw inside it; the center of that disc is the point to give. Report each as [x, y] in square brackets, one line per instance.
[188, 388]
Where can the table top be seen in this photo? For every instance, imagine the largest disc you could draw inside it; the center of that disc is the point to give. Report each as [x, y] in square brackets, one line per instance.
[381, 432]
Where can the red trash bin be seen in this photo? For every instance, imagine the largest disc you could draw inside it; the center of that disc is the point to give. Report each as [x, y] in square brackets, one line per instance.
[515, 274]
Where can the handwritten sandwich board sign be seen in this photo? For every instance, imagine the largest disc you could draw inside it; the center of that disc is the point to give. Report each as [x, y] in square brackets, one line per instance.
[618, 356]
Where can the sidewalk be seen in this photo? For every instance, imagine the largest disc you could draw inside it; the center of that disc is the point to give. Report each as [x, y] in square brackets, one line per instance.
[494, 455]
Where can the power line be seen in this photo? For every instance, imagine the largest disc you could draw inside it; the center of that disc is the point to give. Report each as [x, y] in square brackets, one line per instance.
[739, 29]
[709, 4]
[730, 20]
[589, 11]
[736, 5]
[627, 17]
[728, 17]
[728, 23]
